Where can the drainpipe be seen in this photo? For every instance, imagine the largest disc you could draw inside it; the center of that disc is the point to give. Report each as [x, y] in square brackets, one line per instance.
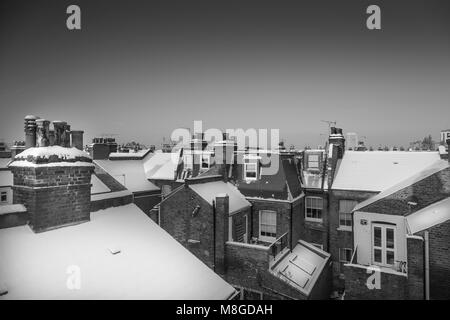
[427, 266]
[214, 234]
[291, 245]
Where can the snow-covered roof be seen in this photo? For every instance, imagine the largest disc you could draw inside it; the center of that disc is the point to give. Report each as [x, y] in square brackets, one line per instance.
[428, 171]
[98, 186]
[209, 190]
[378, 170]
[6, 178]
[150, 264]
[430, 216]
[132, 154]
[10, 208]
[161, 165]
[302, 267]
[110, 195]
[130, 173]
[46, 152]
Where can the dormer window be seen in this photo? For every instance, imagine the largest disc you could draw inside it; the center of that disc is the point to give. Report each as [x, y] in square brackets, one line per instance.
[251, 171]
[313, 161]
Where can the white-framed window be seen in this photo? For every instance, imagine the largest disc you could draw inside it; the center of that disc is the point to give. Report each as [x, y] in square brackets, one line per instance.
[313, 161]
[313, 209]
[383, 244]
[188, 162]
[251, 171]
[205, 161]
[345, 214]
[3, 196]
[345, 254]
[267, 225]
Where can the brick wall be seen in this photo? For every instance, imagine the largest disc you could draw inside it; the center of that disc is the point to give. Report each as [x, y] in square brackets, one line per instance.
[111, 202]
[283, 210]
[244, 263]
[415, 265]
[53, 196]
[196, 233]
[146, 200]
[439, 243]
[315, 232]
[340, 238]
[13, 219]
[392, 286]
[424, 192]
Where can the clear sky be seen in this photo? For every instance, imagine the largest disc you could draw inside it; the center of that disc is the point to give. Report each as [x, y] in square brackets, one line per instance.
[139, 69]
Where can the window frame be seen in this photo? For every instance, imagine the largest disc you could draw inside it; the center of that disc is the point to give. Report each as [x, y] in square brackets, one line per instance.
[4, 193]
[383, 246]
[312, 219]
[345, 250]
[266, 238]
[313, 161]
[255, 170]
[340, 213]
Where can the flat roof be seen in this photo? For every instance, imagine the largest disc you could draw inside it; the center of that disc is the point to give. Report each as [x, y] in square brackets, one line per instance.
[150, 264]
[379, 170]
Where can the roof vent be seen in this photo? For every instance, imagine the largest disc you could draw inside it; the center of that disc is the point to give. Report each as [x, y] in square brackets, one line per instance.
[114, 250]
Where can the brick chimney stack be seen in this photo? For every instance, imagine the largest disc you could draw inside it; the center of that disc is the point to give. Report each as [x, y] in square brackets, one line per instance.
[222, 212]
[30, 131]
[53, 182]
[224, 152]
[337, 138]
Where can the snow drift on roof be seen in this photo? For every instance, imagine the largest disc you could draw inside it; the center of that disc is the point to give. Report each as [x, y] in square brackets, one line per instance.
[150, 265]
[130, 173]
[208, 191]
[430, 216]
[161, 166]
[378, 170]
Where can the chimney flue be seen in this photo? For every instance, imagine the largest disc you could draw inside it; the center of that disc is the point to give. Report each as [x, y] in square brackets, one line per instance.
[337, 138]
[448, 150]
[77, 139]
[30, 131]
[60, 129]
[42, 129]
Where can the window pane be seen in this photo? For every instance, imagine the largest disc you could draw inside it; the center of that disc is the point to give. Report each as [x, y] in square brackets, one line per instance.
[349, 254]
[390, 238]
[377, 255]
[389, 257]
[377, 237]
[268, 223]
